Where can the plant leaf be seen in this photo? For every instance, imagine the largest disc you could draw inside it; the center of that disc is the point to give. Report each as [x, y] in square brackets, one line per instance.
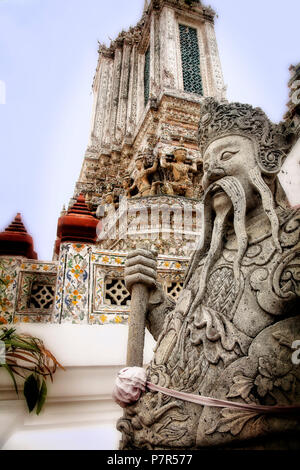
[23, 358]
[7, 333]
[42, 397]
[6, 366]
[12, 368]
[31, 391]
[21, 344]
[50, 355]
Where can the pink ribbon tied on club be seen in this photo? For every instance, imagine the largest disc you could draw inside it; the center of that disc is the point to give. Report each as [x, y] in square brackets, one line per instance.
[130, 383]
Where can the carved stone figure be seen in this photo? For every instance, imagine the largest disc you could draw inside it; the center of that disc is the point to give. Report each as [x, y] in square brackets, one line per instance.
[230, 335]
[126, 183]
[141, 178]
[182, 183]
[108, 206]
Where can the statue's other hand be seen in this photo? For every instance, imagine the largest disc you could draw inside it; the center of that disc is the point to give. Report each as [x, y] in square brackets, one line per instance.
[141, 268]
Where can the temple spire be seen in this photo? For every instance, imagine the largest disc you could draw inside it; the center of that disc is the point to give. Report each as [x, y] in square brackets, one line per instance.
[15, 240]
[145, 6]
[77, 225]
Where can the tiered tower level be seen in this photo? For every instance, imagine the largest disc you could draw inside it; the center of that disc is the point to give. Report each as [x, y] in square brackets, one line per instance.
[147, 89]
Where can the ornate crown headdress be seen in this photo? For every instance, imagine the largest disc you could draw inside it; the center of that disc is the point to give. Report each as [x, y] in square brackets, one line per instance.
[222, 119]
[139, 156]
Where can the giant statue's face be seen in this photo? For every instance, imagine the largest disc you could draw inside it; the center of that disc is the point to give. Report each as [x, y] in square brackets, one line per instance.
[232, 155]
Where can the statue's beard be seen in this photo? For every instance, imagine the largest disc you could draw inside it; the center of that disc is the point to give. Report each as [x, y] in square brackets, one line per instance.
[215, 226]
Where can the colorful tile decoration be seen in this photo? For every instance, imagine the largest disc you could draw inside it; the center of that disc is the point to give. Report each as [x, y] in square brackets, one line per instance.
[39, 266]
[72, 293]
[9, 272]
[31, 273]
[83, 280]
[30, 318]
[61, 270]
[17, 277]
[26, 281]
[108, 264]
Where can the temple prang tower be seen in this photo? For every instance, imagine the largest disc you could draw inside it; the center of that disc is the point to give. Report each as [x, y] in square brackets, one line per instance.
[141, 174]
[148, 88]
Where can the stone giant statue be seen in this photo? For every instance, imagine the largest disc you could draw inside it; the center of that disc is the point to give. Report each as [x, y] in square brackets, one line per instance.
[230, 335]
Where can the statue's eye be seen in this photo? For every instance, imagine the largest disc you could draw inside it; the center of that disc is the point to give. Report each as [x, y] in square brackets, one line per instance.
[206, 167]
[227, 155]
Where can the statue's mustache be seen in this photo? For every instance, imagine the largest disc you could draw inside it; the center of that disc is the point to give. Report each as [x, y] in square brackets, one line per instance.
[228, 185]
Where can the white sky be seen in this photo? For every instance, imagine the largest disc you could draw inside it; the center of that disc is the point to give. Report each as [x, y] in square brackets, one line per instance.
[48, 56]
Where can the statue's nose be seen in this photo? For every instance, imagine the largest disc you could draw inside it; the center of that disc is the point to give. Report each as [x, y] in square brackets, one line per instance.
[211, 176]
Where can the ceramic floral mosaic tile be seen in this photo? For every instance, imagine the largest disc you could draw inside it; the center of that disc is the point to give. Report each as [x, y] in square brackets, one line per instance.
[39, 266]
[111, 266]
[30, 318]
[34, 273]
[106, 265]
[72, 294]
[177, 264]
[9, 271]
[104, 319]
[109, 259]
[58, 300]
[89, 286]
[24, 298]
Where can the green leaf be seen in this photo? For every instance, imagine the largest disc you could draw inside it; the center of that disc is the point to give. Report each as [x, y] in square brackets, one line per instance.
[42, 397]
[12, 376]
[31, 391]
[7, 333]
[20, 344]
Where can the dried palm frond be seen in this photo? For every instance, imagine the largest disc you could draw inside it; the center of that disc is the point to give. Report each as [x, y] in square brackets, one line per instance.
[27, 357]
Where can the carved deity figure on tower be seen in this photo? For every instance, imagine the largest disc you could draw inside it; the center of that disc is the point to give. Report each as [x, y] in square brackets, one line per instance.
[182, 184]
[108, 206]
[126, 184]
[230, 335]
[141, 178]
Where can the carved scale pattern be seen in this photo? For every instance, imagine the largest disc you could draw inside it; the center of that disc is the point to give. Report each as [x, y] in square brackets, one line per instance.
[222, 291]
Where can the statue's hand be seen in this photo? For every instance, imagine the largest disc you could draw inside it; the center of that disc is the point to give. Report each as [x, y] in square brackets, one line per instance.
[141, 268]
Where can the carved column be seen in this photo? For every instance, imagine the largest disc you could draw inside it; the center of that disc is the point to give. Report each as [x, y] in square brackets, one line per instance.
[154, 61]
[132, 93]
[115, 90]
[123, 93]
[168, 57]
[215, 63]
[103, 93]
[107, 135]
[140, 86]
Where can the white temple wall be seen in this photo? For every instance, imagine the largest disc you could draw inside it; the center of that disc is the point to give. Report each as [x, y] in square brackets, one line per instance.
[79, 412]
